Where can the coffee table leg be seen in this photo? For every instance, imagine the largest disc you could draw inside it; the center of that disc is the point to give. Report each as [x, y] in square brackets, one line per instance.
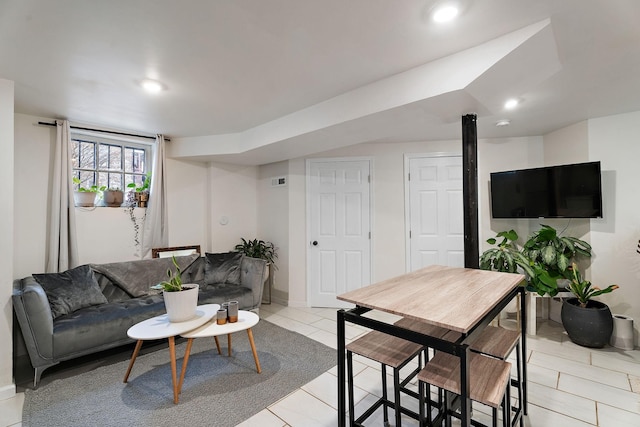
[253, 349]
[172, 353]
[229, 343]
[217, 344]
[133, 359]
[187, 352]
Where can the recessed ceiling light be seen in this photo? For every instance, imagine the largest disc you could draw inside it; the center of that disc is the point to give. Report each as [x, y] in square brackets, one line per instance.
[445, 13]
[511, 104]
[152, 86]
[503, 122]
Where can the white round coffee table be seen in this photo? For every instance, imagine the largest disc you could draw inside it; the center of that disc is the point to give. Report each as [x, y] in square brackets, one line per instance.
[246, 320]
[159, 327]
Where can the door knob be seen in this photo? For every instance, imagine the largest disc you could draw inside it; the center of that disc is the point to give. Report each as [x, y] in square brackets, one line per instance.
[314, 243]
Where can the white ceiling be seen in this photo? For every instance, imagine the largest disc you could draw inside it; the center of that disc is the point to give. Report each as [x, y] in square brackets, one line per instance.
[257, 81]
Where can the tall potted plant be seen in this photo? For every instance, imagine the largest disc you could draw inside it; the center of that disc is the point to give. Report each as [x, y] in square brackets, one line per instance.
[258, 249]
[180, 300]
[588, 322]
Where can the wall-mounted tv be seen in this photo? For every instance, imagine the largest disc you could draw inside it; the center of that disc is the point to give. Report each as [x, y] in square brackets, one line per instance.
[566, 191]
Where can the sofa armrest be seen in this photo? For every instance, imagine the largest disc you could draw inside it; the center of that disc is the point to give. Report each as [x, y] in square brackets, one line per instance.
[252, 276]
[35, 319]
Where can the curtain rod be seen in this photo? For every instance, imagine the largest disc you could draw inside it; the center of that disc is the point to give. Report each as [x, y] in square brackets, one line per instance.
[104, 131]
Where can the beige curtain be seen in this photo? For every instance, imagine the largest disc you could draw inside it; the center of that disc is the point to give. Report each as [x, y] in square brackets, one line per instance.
[62, 251]
[155, 232]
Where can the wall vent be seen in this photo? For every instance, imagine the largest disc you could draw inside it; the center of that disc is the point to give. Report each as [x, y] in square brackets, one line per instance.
[279, 181]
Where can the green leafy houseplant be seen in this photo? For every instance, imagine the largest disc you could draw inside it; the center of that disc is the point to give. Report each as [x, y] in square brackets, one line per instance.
[92, 189]
[544, 258]
[550, 255]
[145, 184]
[258, 249]
[506, 256]
[583, 290]
[174, 284]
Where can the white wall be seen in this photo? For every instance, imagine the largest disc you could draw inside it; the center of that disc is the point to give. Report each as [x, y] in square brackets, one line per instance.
[273, 222]
[7, 387]
[188, 203]
[614, 141]
[233, 192]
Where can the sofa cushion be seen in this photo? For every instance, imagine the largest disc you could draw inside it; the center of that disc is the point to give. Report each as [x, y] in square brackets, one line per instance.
[217, 294]
[136, 278]
[71, 290]
[223, 268]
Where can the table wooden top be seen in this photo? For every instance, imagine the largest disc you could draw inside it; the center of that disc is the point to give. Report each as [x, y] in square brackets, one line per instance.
[449, 297]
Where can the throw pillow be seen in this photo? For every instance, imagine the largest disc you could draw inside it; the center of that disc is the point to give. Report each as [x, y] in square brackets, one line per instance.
[223, 268]
[71, 290]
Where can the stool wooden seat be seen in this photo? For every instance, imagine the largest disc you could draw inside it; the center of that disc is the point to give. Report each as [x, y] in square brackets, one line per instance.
[388, 351]
[499, 343]
[489, 379]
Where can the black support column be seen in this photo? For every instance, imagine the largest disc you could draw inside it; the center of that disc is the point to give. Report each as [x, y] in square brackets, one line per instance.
[470, 190]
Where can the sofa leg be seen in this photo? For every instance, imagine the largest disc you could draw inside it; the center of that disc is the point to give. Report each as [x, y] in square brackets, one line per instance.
[37, 373]
[36, 376]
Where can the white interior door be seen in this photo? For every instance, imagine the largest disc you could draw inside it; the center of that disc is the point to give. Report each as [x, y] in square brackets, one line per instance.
[436, 228]
[339, 225]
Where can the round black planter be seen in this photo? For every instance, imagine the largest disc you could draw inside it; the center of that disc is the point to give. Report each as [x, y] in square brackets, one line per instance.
[589, 326]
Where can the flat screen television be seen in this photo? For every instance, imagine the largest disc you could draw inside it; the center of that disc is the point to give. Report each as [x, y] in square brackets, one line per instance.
[566, 191]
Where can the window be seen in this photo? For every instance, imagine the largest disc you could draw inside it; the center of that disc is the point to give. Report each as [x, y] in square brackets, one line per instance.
[108, 162]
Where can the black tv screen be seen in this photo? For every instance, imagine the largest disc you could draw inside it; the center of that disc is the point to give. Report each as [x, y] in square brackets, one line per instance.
[566, 191]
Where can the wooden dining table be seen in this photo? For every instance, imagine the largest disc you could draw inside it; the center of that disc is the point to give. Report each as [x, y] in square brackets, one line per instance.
[459, 299]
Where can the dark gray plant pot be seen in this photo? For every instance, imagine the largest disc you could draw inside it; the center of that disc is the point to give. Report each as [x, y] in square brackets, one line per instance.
[589, 326]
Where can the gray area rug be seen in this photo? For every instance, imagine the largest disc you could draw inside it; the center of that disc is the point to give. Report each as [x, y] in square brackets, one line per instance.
[218, 390]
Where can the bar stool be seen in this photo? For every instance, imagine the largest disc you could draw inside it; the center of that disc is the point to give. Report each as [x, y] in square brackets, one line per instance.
[493, 341]
[489, 384]
[499, 343]
[388, 351]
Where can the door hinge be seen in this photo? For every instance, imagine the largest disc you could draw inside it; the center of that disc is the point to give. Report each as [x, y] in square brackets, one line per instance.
[409, 233]
[409, 177]
[369, 179]
[369, 235]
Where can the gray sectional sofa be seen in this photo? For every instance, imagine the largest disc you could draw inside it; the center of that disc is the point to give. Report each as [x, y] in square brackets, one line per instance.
[90, 308]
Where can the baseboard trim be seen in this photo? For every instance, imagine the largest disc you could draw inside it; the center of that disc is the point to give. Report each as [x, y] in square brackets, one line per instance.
[7, 392]
[291, 303]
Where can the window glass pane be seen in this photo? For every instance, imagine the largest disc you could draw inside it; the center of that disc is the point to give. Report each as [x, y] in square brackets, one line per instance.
[103, 156]
[114, 181]
[75, 154]
[86, 179]
[138, 161]
[86, 156]
[115, 158]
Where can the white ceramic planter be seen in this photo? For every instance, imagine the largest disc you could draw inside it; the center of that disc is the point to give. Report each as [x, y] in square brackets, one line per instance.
[181, 305]
[84, 198]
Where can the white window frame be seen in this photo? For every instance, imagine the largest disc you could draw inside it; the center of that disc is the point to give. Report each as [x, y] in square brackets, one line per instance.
[113, 140]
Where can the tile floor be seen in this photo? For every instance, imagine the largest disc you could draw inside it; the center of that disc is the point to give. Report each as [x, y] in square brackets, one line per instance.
[569, 385]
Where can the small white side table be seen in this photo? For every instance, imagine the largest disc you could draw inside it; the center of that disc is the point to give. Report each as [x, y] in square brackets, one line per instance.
[159, 327]
[246, 320]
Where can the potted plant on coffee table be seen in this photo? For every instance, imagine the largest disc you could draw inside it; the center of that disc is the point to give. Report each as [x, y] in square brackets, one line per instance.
[588, 322]
[180, 300]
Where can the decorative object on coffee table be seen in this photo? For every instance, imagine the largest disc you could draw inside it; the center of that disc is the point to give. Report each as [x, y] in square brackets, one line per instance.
[180, 300]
